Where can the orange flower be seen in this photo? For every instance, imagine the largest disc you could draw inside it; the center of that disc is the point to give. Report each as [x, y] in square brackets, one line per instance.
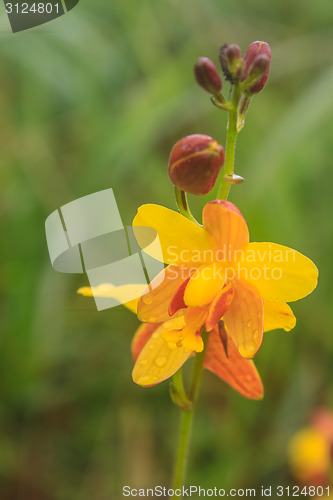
[214, 274]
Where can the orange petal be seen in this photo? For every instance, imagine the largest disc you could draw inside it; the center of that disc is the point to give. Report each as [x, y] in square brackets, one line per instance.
[241, 374]
[225, 223]
[153, 306]
[177, 301]
[245, 319]
[141, 337]
[159, 358]
[219, 306]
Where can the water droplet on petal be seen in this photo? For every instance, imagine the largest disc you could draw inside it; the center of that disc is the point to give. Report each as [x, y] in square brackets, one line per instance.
[247, 350]
[143, 362]
[152, 319]
[152, 346]
[155, 335]
[256, 334]
[147, 380]
[172, 345]
[250, 323]
[147, 299]
[160, 362]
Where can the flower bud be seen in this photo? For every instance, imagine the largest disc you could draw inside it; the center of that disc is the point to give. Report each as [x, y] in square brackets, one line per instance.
[257, 62]
[207, 75]
[195, 163]
[231, 61]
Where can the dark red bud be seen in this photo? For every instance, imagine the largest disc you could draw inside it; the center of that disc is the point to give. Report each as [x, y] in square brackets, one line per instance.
[195, 163]
[257, 62]
[231, 61]
[207, 75]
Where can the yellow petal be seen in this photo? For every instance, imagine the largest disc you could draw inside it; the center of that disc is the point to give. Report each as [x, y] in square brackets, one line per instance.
[244, 319]
[182, 241]
[141, 337]
[158, 360]
[120, 293]
[225, 223]
[277, 314]
[278, 272]
[204, 284]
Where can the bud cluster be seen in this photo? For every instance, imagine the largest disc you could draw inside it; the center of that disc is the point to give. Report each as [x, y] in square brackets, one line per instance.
[251, 70]
[196, 160]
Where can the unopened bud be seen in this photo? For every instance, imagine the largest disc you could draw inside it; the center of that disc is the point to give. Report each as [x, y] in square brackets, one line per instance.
[231, 61]
[207, 75]
[195, 163]
[257, 62]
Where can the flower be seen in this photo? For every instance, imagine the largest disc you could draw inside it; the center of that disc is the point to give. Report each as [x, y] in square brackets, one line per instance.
[311, 449]
[214, 274]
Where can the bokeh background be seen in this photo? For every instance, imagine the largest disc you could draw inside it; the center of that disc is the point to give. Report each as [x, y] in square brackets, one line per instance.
[96, 99]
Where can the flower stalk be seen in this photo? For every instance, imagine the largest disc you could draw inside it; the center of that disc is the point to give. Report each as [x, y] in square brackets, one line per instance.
[187, 415]
[232, 132]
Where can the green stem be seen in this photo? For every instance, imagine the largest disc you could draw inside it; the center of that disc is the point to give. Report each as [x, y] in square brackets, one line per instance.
[181, 200]
[232, 131]
[187, 419]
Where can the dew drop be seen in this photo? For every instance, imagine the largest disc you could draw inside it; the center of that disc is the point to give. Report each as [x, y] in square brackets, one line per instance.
[152, 319]
[155, 335]
[250, 323]
[143, 362]
[247, 350]
[147, 299]
[160, 362]
[172, 345]
[146, 380]
[152, 346]
[256, 334]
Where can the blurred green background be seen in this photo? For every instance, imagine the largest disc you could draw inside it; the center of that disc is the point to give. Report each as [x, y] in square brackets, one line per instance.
[96, 99]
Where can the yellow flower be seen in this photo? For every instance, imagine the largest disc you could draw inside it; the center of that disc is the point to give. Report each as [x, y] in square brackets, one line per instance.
[214, 273]
[310, 456]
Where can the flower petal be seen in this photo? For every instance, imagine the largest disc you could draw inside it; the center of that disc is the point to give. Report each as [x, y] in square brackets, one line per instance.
[154, 304]
[241, 374]
[244, 319]
[278, 272]
[159, 359]
[225, 223]
[277, 314]
[177, 301]
[182, 241]
[120, 293]
[204, 284]
[219, 306]
[141, 337]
